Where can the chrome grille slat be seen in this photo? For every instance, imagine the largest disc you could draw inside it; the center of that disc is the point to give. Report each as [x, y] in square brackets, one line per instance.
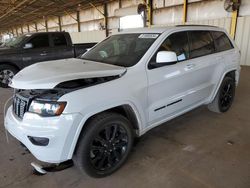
[20, 105]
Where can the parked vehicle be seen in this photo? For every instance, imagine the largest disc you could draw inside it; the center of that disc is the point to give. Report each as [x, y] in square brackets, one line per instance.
[90, 109]
[6, 42]
[28, 49]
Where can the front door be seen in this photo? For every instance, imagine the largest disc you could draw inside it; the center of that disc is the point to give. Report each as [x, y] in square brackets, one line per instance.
[39, 51]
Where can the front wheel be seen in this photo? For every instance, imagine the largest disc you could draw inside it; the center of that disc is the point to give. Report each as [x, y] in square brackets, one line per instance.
[104, 145]
[225, 96]
[7, 72]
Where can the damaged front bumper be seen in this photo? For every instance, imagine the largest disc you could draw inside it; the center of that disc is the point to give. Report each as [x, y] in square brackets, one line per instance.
[59, 131]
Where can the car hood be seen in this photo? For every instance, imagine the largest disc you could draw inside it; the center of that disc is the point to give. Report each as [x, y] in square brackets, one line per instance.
[47, 75]
[6, 50]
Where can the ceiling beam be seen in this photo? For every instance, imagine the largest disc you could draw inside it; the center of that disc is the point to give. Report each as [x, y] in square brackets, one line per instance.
[15, 7]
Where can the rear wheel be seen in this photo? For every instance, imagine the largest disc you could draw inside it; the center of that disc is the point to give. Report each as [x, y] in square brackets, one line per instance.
[7, 72]
[225, 96]
[104, 145]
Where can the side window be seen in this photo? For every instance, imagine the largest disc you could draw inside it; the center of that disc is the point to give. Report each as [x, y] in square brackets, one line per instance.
[40, 41]
[221, 41]
[201, 43]
[178, 43]
[59, 39]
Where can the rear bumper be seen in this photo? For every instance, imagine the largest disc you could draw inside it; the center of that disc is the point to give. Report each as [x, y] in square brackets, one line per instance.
[59, 130]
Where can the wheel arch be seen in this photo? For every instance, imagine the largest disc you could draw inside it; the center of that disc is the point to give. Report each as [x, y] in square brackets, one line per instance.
[11, 64]
[230, 73]
[127, 110]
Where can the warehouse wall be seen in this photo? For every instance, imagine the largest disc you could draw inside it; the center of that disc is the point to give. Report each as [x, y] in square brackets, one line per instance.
[243, 39]
[165, 12]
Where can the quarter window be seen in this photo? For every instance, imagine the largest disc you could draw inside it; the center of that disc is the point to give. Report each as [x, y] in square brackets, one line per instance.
[40, 41]
[201, 44]
[221, 41]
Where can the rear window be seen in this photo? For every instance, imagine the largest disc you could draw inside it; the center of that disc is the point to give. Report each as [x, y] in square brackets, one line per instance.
[221, 41]
[201, 44]
[59, 39]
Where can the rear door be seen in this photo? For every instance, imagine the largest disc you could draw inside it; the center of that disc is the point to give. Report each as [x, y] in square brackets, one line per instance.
[226, 56]
[62, 48]
[224, 48]
[206, 61]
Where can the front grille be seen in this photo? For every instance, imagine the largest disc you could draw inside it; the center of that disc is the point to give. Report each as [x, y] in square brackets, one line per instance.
[20, 105]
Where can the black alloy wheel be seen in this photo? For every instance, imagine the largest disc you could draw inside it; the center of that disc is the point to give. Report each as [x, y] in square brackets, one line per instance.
[7, 72]
[104, 144]
[227, 93]
[108, 147]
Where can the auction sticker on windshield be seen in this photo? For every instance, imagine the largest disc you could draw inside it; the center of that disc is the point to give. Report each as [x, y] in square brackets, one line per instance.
[148, 36]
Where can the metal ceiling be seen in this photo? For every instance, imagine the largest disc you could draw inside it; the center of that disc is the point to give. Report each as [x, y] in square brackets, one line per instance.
[15, 13]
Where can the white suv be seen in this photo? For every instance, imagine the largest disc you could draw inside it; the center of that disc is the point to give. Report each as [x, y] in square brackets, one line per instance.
[90, 109]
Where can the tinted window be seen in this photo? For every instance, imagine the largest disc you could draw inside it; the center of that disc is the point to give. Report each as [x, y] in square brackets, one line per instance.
[221, 41]
[178, 43]
[40, 41]
[59, 39]
[201, 43]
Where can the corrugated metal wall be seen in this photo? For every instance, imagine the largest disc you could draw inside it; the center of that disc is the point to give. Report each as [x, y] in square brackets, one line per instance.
[87, 36]
[243, 39]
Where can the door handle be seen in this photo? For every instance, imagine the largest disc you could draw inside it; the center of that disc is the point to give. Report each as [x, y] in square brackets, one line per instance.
[219, 58]
[190, 66]
[43, 54]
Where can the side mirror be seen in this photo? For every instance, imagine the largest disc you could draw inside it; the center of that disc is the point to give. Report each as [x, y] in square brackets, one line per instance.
[28, 46]
[166, 57]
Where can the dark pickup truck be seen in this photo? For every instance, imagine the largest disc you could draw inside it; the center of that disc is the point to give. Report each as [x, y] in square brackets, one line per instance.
[36, 47]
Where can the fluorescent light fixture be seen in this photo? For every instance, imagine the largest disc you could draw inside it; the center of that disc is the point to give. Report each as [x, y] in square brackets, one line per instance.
[132, 21]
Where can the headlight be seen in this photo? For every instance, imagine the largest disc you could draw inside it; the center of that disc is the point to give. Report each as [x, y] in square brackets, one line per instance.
[47, 109]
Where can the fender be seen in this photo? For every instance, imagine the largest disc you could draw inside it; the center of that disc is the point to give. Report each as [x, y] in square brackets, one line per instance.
[219, 84]
[104, 108]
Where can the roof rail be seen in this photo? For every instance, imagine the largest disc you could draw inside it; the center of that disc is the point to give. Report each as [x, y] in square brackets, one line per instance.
[193, 25]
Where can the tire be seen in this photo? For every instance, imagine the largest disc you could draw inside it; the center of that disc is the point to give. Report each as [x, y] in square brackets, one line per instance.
[6, 74]
[225, 96]
[104, 145]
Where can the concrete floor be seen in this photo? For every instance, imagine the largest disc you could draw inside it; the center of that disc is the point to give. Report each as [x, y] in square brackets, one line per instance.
[198, 149]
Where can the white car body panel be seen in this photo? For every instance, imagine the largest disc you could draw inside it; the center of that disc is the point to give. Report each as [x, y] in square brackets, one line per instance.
[60, 131]
[48, 74]
[155, 96]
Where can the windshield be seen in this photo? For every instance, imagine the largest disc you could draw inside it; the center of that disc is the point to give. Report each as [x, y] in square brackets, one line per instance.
[15, 42]
[123, 50]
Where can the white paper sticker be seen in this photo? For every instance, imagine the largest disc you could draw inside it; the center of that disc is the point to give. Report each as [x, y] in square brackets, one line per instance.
[148, 36]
